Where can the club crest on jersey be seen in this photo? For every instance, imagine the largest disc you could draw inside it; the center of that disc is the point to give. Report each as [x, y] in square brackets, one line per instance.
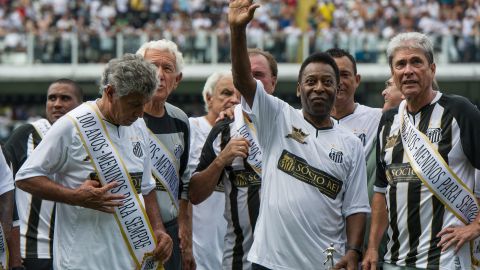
[434, 134]
[298, 135]
[336, 156]
[137, 149]
[363, 138]
[391, 141]
[178, 151]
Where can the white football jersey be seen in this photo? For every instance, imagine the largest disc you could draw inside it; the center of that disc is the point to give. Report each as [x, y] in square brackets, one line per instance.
[85, 238]
[312, 179]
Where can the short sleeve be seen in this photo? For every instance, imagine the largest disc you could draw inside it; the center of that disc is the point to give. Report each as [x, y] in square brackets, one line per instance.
[356, 195]
[264, 112]
[52, 152]
[6, 177]
[381, 182]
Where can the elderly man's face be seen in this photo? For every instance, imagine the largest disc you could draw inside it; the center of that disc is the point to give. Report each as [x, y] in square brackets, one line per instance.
[224, 96]
[126, 109]
[392, 95]
[317, 89]
[168, 74]
[412, 73]
[262, 72]
[61, 98]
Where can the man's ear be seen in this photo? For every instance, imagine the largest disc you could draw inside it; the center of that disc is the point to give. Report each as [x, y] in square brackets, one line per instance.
[208, 98]
[178, 78]
[298, 90]
[109, 92]
[358, 78]
[274, 82]
[433, 68]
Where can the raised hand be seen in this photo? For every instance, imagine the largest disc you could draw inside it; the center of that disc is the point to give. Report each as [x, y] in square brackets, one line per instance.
[91, 195]
[240, 12]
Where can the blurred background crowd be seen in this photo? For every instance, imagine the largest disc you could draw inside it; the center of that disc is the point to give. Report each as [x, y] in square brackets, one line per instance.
[44, 32]
[94, 31]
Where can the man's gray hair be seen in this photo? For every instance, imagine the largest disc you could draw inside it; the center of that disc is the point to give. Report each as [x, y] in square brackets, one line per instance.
[211, 83]
[164, 45]
[410, 40]
[130, 74]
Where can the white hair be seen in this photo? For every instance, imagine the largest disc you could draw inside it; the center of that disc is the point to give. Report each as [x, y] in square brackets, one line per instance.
[164, 45]
[211, 83]
[410, 40]
[130, 74]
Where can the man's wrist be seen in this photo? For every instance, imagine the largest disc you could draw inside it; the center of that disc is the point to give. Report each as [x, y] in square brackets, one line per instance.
[356, 250]
[476, 225]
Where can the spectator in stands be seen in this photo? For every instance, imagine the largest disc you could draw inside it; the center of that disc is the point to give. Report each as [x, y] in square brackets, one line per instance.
[358, 23]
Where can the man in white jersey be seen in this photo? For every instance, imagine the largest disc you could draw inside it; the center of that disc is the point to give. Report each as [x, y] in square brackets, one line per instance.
[426, 192]
[98, 153]
[241, 180]
[360, 119]
[33, 235]
[6, 210]
[314, 180]
[209, 224]
[170, 134]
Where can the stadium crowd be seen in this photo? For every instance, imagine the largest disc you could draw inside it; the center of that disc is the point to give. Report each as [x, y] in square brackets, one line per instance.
[362, 27]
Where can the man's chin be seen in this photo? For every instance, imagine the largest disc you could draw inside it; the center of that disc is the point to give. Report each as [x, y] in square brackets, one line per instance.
[128, 123]
[52, 119]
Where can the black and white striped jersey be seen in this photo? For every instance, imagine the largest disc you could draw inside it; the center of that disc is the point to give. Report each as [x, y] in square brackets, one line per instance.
[415, 215]
[208, 224]
[36, 216]
[173, 131]
[242, 197]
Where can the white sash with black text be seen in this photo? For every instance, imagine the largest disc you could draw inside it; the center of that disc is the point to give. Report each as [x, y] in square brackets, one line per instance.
[3, 250]
[97, 143]
[245, 128]
[457, 198]
[164, 168]
[41, 126]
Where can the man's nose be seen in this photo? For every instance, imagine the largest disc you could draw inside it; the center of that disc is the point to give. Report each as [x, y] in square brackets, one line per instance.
[408, 69]
[318, 87]
[58, 103]
[384, 92]
[235, 99]
[161, 74]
